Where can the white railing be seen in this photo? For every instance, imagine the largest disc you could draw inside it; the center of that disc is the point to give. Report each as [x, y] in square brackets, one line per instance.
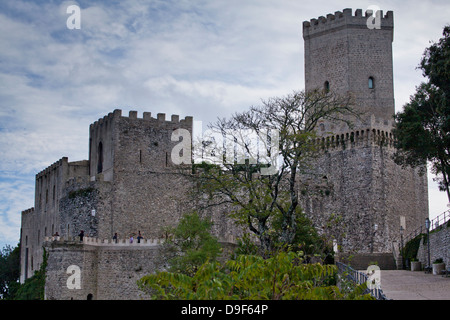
[123, 242]
[109, 242]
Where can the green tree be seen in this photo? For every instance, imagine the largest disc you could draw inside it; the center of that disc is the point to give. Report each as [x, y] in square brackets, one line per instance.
[190, 244]
[250, 277]
[9, 271]
[422, 129]
[34, 287]
[260, 200]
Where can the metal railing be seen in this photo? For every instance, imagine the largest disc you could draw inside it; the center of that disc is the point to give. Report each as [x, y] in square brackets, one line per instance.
[359, 278]
[440, 220]
[434, 223]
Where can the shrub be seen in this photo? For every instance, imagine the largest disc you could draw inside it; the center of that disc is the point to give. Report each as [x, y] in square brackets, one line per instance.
[281, 277]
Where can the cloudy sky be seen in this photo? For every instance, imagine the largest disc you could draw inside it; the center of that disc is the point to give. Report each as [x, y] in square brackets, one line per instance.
[200, 58]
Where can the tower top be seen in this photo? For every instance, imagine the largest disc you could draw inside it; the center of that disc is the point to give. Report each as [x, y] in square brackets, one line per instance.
[345, 19]
[350, 53]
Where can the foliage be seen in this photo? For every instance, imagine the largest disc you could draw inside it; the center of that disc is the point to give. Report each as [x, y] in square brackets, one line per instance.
[412, 247]
[251, 277]
[9, 271]
[306, 240]
[438, 260]
[81, 193]
[34, 287]
[262, 200]
[245, 246]
[190, 244]
[423, 128]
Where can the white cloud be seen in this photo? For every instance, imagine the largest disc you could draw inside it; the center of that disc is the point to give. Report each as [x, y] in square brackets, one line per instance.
[15, 193]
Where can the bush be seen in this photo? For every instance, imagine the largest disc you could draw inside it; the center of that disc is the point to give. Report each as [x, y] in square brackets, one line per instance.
[190, 244]
[281, 277]
[34, 287]
[412, 247]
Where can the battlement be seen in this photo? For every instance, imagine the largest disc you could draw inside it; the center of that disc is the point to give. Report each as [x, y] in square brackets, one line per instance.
[357, 138]
[146, 116]
[28, 211]
[345, 19]
[60, 162]
[107, 242]
[325, 128]
[121, 242]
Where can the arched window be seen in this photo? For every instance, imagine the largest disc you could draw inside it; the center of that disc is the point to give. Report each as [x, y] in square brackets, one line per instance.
[326, 86]
[371, 83]
[100, 158]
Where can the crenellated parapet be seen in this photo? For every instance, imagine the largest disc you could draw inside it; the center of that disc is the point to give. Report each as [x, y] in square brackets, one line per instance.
[28, 211]
[52, 167]
[106, 242]
[146, 116]
[357, 138]
[345, 19]
[121, 242]
[328, 128]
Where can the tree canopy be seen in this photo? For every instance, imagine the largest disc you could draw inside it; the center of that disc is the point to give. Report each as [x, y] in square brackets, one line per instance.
[423, 128]
[250, 277]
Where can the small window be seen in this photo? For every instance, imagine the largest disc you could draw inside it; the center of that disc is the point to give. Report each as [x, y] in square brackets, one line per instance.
[371, 83]
[326, 86]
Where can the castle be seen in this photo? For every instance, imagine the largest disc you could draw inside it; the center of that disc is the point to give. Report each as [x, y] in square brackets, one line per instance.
[130, 185]
[375, 197]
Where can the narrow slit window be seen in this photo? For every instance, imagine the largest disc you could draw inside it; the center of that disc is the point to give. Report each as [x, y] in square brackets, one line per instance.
[326, 86]
[371, 83]
[100, 158]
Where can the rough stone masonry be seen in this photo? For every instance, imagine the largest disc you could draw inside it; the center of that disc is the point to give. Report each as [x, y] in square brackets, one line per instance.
[130, 185]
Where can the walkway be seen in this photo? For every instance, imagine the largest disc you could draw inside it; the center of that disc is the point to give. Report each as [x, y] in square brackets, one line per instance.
[408, 285]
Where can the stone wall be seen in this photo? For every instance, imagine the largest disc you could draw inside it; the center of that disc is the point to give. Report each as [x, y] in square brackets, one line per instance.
[44, 218]
[108, 271]
[85, 205]
[372, 195]
[439, 246]
[385, 261]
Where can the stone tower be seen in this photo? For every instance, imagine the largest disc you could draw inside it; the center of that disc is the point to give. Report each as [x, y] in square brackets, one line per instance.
[346, 54]
[132, 155]
[343, 54]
